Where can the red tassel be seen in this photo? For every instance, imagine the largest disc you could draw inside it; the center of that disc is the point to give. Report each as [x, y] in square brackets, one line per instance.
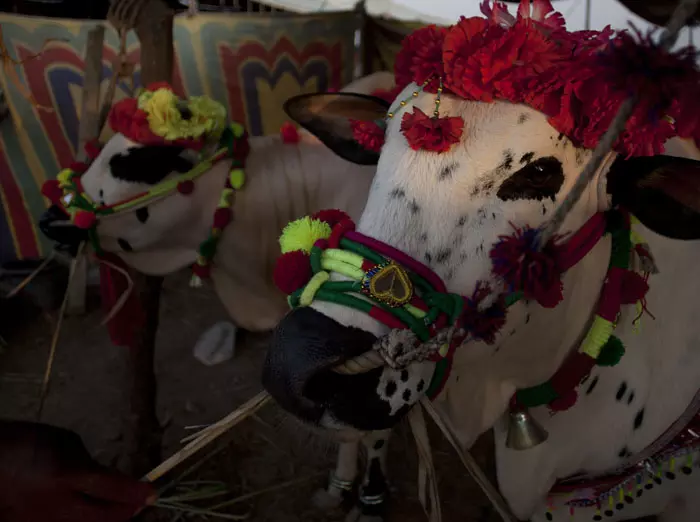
[483, 324]
[186, 187]
[201, 271]
[130, 319]
[525, 269]
[331, 216]
[79, 167]
[339, 231]
[222, 217]
[292, 271]
[93, 149]
[634, 288]
[84, 219]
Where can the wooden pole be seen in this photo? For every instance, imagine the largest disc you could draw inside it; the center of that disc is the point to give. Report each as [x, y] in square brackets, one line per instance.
[89, 129]
[153, 22]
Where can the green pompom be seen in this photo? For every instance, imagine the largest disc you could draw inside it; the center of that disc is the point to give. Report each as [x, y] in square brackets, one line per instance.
[207, 248]
[302, 234]
[611, 353]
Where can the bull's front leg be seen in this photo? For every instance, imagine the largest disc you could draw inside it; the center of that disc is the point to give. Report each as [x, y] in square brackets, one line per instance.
[374, 493]
[342, 481]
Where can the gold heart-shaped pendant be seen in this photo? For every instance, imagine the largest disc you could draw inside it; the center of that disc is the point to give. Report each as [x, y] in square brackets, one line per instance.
[390, 284]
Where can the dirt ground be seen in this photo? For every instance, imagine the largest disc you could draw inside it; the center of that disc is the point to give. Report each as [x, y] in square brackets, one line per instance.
[266, 451]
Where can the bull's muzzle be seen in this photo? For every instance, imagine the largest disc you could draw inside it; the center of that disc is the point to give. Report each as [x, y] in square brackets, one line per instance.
[55, 224]
[306, 345]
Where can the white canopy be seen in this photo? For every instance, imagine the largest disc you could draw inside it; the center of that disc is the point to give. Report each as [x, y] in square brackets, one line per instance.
[445, 12]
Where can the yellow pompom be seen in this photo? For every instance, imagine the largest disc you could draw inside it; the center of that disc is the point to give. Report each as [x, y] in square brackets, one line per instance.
[237, 178]
[237, 129]
[302, 234]
[65, 176]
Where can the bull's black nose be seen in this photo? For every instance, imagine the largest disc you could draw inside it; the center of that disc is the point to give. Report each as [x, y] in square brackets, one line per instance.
[305, 344]
[55, 225]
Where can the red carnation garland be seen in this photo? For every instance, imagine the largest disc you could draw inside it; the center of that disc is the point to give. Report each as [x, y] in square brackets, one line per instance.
[420, 58]
[368, 134]
[577, 79]
[436, 134]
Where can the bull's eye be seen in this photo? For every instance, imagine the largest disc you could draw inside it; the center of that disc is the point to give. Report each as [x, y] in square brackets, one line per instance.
[537, 180]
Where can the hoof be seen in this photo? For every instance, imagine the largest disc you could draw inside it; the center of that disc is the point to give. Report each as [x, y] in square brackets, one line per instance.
[356, 515]
[327, 500]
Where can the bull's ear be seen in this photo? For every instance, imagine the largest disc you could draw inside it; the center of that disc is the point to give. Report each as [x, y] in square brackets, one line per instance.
[663, 192]
[327, 116]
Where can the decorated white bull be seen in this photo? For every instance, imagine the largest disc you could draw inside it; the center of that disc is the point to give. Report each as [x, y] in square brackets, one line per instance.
[443, 288]
[174, 186]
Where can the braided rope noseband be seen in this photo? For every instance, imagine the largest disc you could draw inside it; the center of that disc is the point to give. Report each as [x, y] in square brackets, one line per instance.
[427, 321]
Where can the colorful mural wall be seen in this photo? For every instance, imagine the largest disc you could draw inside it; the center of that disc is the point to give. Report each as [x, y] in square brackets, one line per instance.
[251, 63]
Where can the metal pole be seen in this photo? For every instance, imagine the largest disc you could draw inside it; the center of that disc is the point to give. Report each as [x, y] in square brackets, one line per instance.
[588, 15]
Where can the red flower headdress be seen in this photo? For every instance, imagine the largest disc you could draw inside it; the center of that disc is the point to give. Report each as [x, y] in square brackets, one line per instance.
[578, 79]
[157, 116]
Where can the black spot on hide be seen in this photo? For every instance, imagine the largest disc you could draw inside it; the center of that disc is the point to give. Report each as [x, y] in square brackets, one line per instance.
[443, 255]
[414, 207]
[507, 160]
[397, 193]
[639, 419]
[124, 245]
[142, 214]
[462, 221]
[149, 165]
[420, 386]
[407, 395]
[390, 388]
[379, 444]
[404, 375]
[630, 398]
[527, 157]
[447, 171]
[523, 118]
[536, 181]
[592, 386]
[621, 391]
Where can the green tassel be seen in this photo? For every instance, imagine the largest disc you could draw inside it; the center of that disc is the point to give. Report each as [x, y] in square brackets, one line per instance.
[611, 353]
[207, 248]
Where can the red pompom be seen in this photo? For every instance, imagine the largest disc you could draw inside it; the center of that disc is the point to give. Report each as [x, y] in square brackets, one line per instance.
[431, 134]
[564, 402]
[222, 217]
[331, 216]
[634, 288]
[292, 271]
[93, 149]
[523, 268]
[84, 219]
[52, 191]
[201, 271]
[289, 133]
[79, 167]
[368, 134]
[482, 324]
[339, 230]
[186, 187]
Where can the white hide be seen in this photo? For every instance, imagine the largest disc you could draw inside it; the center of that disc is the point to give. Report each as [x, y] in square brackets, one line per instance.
[283, 182]
[439, 218]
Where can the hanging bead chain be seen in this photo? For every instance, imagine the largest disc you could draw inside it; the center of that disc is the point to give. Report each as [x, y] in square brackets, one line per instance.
[414, 94]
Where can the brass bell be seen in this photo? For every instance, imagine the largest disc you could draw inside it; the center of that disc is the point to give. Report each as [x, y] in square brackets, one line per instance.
[524, 432]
